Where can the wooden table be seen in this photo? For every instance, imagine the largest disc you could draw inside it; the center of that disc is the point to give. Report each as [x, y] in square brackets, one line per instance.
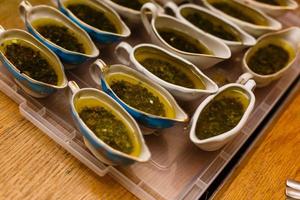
[32, 166]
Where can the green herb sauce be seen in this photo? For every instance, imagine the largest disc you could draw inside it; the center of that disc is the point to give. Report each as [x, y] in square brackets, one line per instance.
[138, 97]
[93, 17]
[61, 36]
[271, 2]
[234, 12]
[108, 128]
[182, 41]
[133, 4]
[166, 71]
[268, 59]
[212, 25]
[221, 114]
[30, 62]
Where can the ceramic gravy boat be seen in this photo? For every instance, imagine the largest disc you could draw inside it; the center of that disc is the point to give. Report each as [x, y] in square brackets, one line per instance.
[99, 71]
[218, 50]
[101, 36]
[266, 23]
[184, 11]
[244, 86]
[274, 10]
[31, 86]
[97, 146]
[31, 14]
[128, 54]
[133, 16]
[289, 39]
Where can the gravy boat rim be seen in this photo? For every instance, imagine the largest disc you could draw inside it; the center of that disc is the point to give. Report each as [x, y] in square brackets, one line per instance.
[145, 80]
[125, 33]
[135, 126]
[233, 131]
[55, 58]
[276, 26]
[226, 51]
[267, 37]
[226, 21]
[188, 64]
[95, 51]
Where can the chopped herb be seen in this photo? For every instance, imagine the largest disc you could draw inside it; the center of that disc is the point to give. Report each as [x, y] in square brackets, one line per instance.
[30, 62]
[234, 12]
[166, 71]
[138, 97]
[108, 128]
[61, 36]
[212, 25]
[133, 4]
[219, 116]
[269, 59]
[182, 41]
[93, 17]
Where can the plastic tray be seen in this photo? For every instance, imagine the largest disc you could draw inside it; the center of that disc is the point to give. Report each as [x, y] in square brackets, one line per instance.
[178, 169]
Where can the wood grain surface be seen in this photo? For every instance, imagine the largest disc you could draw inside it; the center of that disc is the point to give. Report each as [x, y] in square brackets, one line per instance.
[273, 159]
[32, 166]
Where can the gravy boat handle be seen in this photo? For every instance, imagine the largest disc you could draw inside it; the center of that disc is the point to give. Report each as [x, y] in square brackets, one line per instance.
[99, 67]
[123, 51]
[24, 7]
[171, 6]
[246, 80]
[151, 9]
[2, 29]
[73, 89]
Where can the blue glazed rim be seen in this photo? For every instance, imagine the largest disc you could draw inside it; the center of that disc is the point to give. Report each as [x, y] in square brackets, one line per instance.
[62, 52]
[149, 120]
[98, 143]
[33, 83]
[93, 31]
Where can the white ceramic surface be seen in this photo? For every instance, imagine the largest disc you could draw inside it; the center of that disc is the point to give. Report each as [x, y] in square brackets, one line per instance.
[100, 149]
[235, 46]
[274, 10]
[220, 51]
[291, 36]
[253, 29]
[132, 16]
[214, 143]
[179, 92]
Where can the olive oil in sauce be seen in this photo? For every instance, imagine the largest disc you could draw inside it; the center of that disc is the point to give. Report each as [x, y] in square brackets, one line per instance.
[211, 24]
[182, 41]
[240, 12]
[169, 70]
[94, 17]
[108, 125]
[60, 35]
[270, 58]
[222, 114]
[133, 4]
[30, 61]
[139, 95]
